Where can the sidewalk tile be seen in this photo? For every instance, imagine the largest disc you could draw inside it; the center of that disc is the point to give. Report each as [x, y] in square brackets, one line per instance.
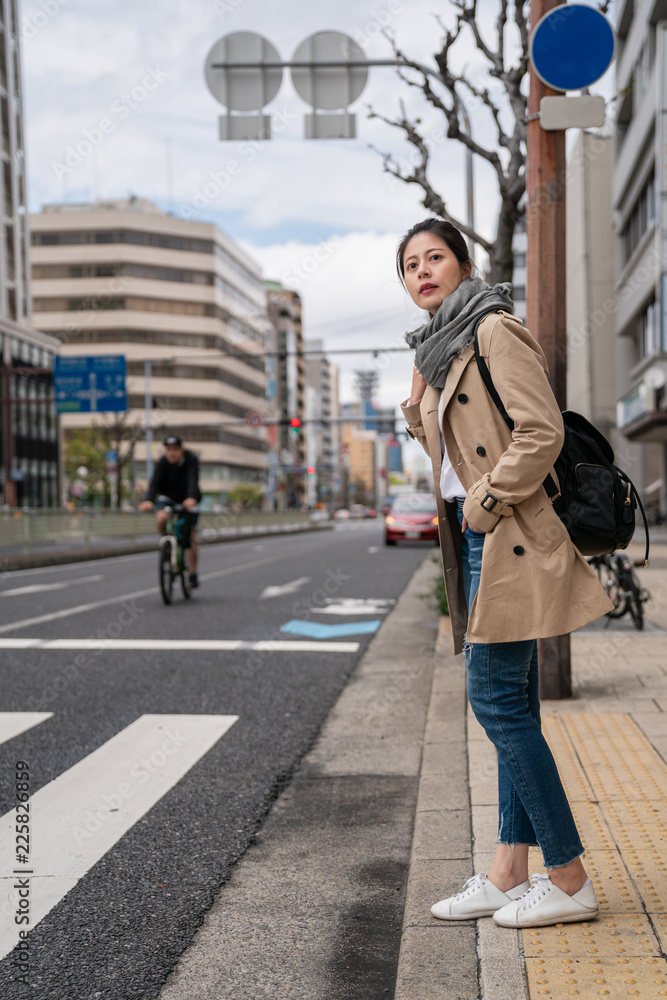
[429, 882]
[440, 962]
[442, 834]
[445, 791]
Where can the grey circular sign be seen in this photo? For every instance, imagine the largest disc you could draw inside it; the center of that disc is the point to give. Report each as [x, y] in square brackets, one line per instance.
[329, 87]
[242, 88]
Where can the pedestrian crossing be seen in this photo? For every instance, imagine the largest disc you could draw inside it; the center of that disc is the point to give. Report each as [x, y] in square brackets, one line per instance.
[78, 817]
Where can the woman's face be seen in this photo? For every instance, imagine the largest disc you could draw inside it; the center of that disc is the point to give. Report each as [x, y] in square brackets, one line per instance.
[431, 271]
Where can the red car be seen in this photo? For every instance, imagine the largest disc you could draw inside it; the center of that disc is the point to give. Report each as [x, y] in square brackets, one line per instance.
[413, 517]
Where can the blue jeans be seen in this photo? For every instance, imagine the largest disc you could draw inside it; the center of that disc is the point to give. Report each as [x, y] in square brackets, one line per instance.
[503, 694]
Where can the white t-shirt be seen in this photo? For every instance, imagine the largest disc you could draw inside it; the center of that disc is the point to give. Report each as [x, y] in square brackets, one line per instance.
[450, 484]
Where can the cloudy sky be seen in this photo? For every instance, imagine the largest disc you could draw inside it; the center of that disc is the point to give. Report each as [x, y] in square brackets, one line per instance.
[81, 60]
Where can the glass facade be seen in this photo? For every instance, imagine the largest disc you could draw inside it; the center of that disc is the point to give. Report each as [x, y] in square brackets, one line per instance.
[29, 440]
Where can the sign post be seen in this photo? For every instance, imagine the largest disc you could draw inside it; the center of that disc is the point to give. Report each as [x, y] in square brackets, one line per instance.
[569, 49]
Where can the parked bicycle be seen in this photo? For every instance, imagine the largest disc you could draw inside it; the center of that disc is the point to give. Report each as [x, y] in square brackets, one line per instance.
[617, 575]
[171, 556]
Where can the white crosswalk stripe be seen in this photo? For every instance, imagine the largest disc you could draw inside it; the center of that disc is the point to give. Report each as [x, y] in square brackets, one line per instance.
[14, 723]
[79, 816]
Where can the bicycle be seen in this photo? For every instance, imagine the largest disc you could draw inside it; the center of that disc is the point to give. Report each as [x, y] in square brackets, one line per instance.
[617, 575]
[173, 544]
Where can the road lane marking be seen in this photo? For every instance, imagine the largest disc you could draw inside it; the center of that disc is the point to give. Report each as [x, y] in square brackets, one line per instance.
[77, 818]
[285, 588]
[14, 723]
[167, 645]
[355, 606]
[37, 588]
[315, 630]
[82, 608]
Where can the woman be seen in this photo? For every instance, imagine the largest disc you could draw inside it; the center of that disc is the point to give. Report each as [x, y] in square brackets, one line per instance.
[512, 574]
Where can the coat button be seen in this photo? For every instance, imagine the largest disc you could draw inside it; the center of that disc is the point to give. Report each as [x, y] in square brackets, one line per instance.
[462, 398]
[518, 550]
[480, 451]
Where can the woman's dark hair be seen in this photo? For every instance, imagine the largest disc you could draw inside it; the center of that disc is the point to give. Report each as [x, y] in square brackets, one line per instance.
[449, 235]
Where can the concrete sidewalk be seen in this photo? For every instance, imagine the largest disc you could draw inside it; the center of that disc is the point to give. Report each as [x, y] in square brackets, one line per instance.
[610, 743]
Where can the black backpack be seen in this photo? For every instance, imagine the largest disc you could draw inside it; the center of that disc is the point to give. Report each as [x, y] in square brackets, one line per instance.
[597, 500]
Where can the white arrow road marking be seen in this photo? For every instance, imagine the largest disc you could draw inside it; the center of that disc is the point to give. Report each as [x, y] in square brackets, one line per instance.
[285, 588]
[274, 645]
[81, 608]
[14, 723]
[37, 588]
[355, 606]
[79, 816]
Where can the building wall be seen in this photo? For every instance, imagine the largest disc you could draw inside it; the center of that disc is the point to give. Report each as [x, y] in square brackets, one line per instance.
[321, 405]
[122, 277]
[591, 333]
[640, 223]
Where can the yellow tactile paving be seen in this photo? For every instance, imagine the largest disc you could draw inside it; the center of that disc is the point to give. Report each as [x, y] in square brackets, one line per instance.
[617, 785]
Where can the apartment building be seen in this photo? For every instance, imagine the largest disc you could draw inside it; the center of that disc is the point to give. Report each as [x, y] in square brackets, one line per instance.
[29, 436]
[184, 304]
[286, 387]
[323, 436]
[640, 223]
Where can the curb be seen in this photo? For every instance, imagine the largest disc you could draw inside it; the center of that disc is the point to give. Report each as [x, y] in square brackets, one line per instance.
[9, 563]
[440, 959]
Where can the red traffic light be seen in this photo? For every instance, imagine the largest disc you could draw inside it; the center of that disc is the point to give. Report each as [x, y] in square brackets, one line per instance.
[310, 470]
[295, 424]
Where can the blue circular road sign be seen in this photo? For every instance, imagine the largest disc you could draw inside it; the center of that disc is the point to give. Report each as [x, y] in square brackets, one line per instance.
[572, 47]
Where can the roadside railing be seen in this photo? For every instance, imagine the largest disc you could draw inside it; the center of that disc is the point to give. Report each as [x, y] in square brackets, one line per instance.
[33, 528]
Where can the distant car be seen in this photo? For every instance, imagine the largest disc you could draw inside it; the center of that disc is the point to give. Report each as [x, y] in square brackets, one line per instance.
[413, 517]
[342, 514]
[370, 512]
[357, 510]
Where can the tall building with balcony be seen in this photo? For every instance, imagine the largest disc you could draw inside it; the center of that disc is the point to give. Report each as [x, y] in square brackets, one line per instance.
[184, 304]
[323, 435]
[286, 381]
[29, 436]
[640, 222]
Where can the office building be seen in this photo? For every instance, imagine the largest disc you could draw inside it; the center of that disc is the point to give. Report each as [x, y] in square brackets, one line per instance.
[29, 438]
[184, 304]
[640, 223]
[286, 386]
[323, 435]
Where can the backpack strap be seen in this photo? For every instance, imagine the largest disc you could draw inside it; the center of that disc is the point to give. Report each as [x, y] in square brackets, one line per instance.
[550, 486]
[641, 507]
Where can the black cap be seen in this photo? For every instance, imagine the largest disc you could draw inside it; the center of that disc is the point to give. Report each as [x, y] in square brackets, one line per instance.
[173, 439]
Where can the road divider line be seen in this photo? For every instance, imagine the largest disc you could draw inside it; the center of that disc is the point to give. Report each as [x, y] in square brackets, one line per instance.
[173, 645]
[14, 723]
[77, 818]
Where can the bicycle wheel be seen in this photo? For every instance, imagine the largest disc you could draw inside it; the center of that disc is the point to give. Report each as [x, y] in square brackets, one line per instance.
[164, 572]
[636, 609]
[610, 582]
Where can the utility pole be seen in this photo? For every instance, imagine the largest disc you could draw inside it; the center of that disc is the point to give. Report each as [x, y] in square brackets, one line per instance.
[545, 296]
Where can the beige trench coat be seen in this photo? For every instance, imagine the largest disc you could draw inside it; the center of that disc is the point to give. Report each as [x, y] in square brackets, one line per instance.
[534, 582]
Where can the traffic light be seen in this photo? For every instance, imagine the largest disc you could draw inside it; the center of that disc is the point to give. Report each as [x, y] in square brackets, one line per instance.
[311, 470]
[295, 424]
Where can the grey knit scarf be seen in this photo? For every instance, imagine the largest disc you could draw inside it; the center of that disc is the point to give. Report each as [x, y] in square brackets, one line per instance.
[452, 328]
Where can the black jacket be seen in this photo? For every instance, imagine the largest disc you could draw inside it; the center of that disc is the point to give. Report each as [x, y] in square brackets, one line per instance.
[178, 482]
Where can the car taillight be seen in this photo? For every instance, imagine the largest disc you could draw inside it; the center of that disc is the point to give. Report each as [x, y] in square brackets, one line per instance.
[390, 520]
[434, 521]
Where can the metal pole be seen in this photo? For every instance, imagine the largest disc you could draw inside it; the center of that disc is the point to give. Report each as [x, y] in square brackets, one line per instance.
[149, 423]
[545, 297]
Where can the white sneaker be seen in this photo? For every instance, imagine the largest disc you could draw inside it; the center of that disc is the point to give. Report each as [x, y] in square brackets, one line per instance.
[545, 904]
[478, 898]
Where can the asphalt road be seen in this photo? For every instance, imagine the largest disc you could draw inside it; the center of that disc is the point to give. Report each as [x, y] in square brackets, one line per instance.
[134, 836]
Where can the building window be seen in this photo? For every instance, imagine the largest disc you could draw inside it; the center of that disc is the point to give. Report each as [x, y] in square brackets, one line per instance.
[646, 332]
[640, 219]
[519, 293]
[519, 260]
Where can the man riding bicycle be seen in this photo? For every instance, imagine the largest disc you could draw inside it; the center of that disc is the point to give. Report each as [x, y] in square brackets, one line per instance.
[176, 476]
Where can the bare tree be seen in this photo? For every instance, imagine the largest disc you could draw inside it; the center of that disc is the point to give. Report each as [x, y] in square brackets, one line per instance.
[443, 89]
